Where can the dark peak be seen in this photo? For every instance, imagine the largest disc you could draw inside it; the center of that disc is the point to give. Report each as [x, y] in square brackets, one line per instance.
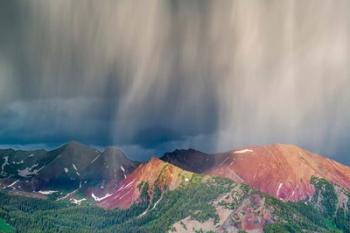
[74, 147]
[113, 151]
[189, 160]
[183, 151]
[74, 144]
[189, 150]
[178, 153]
[117, 154]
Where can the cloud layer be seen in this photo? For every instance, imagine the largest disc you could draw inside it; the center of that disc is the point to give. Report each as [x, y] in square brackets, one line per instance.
[156, 75]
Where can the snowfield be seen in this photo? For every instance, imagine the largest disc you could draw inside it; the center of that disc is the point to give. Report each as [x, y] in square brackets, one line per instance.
[100, 198]
[243, 151]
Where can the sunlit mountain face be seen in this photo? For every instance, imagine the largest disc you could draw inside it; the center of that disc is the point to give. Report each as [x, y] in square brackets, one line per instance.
[76, 188]
[174, 116]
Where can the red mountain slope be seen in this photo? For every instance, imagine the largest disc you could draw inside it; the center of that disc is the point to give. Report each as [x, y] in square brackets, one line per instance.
[284, 171]
[155, 172]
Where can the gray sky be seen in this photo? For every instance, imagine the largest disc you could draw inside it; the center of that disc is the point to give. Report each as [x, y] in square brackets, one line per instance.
[151, 76]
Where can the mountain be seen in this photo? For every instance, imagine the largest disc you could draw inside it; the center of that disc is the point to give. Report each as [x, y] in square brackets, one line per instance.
[273, 188]
[188, 199]
[20, 163]
[111, 165]
[220, 205]
[155, 173]
[159, 197]
[68, 167]
[283, 171]
[190, 160]
[69, 163]
[19, 166]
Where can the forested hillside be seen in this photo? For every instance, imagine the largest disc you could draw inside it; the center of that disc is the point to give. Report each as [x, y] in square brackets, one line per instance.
[217, 203]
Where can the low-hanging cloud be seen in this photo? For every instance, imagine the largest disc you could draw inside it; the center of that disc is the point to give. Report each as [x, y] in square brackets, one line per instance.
[163, 74]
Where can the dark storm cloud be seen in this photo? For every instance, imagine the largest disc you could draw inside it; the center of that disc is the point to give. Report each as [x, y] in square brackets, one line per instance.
[53, 121]
[154, 75]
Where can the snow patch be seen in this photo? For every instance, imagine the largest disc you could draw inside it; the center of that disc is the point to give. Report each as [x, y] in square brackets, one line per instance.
[66, 170]
[68, 194]
[123, 169]
[31, 155]
[95, 158]
[28, 171]
[12, 184]
[125, 186]
[155, 204]
[100, 198]
[126, 193]
[292, 193]
[102, 185]
[20, 162]
[243, 151]
[76, 170]
[6, 162]
[76, 201]
[145, 212]
[279, 189]
[48, 192]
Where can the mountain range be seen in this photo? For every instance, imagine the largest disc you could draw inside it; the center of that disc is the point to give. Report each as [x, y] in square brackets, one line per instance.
[77, 188]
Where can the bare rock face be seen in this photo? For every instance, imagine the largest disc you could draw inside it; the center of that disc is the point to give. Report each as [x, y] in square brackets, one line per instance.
[190, 160]
[155, 172]
[283, 171]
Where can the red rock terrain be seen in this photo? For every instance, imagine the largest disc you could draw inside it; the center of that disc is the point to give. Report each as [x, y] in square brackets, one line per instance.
[155, 172]
[283, 171]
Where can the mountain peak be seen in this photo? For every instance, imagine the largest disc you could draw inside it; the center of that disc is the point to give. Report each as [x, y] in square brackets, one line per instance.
[74, 145]
[155, 159]
[155, 173]
[190, 160]
[179, 152]
[113, 149]
[281, 170]
[116, 152]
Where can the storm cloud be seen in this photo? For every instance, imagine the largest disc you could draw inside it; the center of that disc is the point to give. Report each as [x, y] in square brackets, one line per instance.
[151, 76]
